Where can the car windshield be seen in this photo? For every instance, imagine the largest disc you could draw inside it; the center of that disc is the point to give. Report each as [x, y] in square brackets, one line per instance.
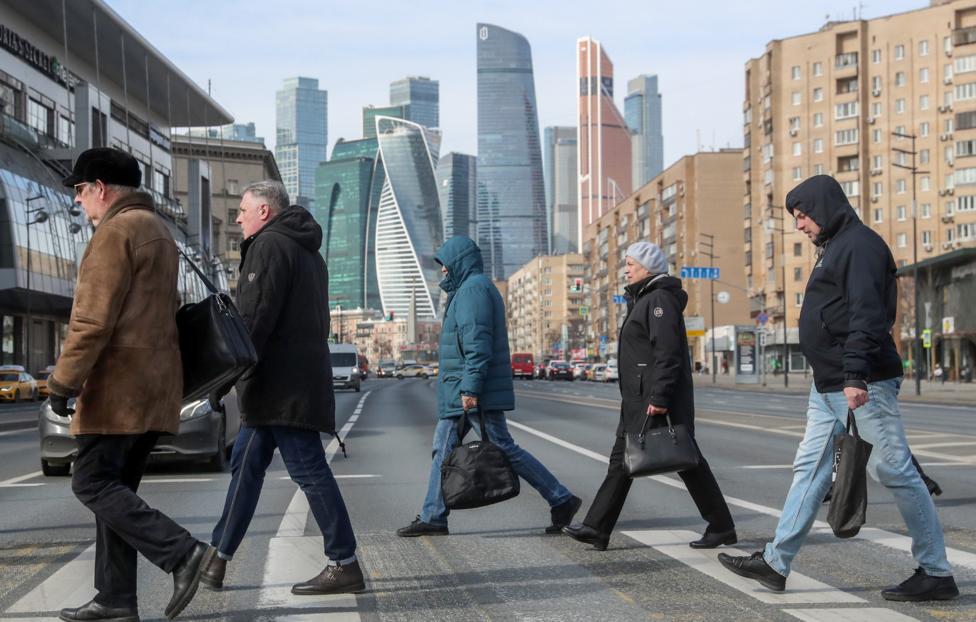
[560, 365]
[9, 377]
[385, 364]
[343, 359]
[42, 375]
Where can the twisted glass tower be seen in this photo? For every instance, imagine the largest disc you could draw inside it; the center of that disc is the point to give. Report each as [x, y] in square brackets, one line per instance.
[511, 215]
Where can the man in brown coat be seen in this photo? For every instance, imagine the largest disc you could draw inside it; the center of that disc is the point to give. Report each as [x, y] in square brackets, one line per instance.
[121, 359]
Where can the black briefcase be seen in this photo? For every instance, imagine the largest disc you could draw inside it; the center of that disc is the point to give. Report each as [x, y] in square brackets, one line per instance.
[478, 473]
[849, 499]
[215, 345]
[661, 449]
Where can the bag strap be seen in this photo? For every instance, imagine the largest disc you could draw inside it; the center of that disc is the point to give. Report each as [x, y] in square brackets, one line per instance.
[852, 424]
[462, 423]
[647, 420]
[213, 289]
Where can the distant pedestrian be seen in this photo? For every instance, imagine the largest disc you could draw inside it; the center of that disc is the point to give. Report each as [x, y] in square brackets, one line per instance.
[121, 359]
[655, 381]
[476, 377]
[283, 296]
[725, 367]
[845, 332]
[939, 374]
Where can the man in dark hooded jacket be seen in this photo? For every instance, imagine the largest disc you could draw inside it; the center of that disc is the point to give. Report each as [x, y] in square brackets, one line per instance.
[655, 385]
[287, 400]
[845, 332]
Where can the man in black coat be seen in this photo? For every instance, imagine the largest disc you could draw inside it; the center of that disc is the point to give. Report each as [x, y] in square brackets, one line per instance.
[655, 381]
[845, 332]
[287, 400]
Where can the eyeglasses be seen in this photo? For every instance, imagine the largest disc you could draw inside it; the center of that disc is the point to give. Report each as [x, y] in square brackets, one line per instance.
[79, 188]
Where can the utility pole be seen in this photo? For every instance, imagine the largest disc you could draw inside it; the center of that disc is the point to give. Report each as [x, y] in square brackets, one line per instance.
[710, 245]
[771, 228]
[917, 337]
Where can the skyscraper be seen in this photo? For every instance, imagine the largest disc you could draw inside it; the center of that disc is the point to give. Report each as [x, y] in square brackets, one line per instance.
[371, 112]
[302, 136]
[642, 111]
[456, 175]
[604, 160]
[559, 162]
[421, 98]
[409, 228]
[511, 213]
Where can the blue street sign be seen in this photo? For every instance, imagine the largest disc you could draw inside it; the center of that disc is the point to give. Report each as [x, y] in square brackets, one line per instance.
[694, 272]
[603, 338]
[763, 318]
[619, 299]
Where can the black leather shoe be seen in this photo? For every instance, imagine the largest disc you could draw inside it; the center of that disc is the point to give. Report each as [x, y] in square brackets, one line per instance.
[921, 587]
[186, 577]
[347, 579]
[754, 567]
[420, 528]
[213, 573]
[715, 540]
[587, 535]
[562, 514]
[95, 611]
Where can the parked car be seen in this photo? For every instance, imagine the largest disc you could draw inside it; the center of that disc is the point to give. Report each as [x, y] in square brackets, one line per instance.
[599, 372]
[612, 373]
[413, 370]
[16, 384]
[205, 434]
[560, 370]
[523, 365]
[542, 370]
[386, 368]
[345, 366]
[435, 369]
[579, 370]
[41, 378]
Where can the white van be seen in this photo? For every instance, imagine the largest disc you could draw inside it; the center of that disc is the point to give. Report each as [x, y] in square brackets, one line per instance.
[345, 366]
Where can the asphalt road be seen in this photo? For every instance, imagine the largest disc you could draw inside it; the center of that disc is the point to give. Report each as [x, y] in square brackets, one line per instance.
[497, 564]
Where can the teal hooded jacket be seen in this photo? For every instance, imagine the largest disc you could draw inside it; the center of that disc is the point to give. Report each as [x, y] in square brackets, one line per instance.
[474, 358]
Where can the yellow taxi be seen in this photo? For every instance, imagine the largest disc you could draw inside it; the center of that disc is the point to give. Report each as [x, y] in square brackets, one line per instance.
[41, 379]
[16, 384]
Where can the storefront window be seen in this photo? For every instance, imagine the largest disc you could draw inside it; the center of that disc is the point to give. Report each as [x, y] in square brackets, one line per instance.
[39, 116]
[9, 343]
[8, 99]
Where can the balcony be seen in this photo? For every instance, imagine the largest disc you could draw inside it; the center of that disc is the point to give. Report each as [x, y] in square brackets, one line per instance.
[964, 36]
[845, 61]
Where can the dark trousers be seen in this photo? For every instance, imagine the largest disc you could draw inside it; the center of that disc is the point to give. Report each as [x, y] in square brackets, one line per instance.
[106, 476]
[304, 458]
[613, 491]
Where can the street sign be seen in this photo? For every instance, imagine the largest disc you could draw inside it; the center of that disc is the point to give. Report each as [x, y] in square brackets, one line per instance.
[927, 338]
[695, 326]
[723, 297]
[948, 325]
[693, 272]
[619, 299]
[603, 338]
[584, 311]
[763, 318]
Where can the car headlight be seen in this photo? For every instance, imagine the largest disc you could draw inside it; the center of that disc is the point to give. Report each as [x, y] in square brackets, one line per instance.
[195, 409]
[48, 412]
[5, 389]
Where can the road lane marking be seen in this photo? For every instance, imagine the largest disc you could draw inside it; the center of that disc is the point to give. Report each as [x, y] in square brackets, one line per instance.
[20, 485]
[937, 445]
[69, 586]
[867, 614]
[21, 431]
[21, 478]
[357, 476]
[176, 480]
[878, 536]
[767, 466]
[802, 589]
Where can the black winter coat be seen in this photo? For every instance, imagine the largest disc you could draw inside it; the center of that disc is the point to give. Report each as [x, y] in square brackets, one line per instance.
[849, 305]
[653, 358]
[283, 296]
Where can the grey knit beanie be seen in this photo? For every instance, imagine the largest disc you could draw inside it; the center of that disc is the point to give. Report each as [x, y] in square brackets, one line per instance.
[650, 256]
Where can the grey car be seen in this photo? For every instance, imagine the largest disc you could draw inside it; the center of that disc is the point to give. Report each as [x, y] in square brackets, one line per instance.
[205, 435]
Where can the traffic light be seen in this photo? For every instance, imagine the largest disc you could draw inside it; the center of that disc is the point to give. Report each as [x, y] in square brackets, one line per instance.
[389, 316]
[577, 285]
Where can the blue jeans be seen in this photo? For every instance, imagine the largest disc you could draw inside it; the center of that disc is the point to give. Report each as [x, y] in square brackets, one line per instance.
[524, 463]
[879, 423]
[304, 458]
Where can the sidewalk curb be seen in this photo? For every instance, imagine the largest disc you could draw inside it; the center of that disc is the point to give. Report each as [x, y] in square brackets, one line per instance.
[906, 394]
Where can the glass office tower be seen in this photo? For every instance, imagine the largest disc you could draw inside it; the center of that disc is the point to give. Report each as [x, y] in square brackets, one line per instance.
[421, 98]
[456, 174]
[511, 212]
[301, 137]
[642, 111]
[559, 161]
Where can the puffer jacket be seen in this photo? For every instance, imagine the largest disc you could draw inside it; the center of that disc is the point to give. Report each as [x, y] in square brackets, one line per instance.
[474, 355]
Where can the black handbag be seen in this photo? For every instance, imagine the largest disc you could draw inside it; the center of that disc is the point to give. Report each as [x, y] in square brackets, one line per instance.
[215, 345]
[660, 449]
[478, 473]
[849, 499]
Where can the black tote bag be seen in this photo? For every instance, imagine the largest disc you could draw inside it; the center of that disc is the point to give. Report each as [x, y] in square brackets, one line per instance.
[849, 502]
[661, 449]
[478, 473]
[215, 346]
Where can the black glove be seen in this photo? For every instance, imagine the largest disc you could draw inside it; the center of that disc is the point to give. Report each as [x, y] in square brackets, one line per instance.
[59, 404]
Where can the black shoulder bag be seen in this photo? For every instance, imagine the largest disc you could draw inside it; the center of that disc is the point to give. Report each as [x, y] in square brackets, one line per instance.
[476, 474]
[849, 500]
[661, 449]
[215, 345]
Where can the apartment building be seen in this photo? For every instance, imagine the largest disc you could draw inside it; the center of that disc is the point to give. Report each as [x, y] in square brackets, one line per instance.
[847, 101]
[688, 208]
[545, 307]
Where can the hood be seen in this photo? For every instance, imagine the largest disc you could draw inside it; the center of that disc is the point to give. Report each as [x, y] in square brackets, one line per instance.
[462, 258]
[822, 199]
[297, 223]
[658, 281]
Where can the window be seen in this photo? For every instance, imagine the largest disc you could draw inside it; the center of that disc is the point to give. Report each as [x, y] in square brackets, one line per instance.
[847, 85]
[797, 149]
[966, 204]
[947, 44]
[947, 74]
[926, 209]
[901, 240]
[767, 152]
[950, 234]
[798, 298]
[923, 156]
[845, 137]
[797, 173]
[924, 183]
[161, 183]
[899, 52]
[902, 212]
[963, 176]
[878, 216]
[818, 94]
[900, 105]
[947, 98]
[965, 64]
[797, 274]
[795, 72]
[876, 137]
[876, 109]
[876, 84]
[876, 189]
[851, 188]
[927, 238]
[795, 98]
[923, 102]
[794, 124]
[39, 116]
[900, 79]
[877, 162]
[947, 126]
[965, 148]
[797, 249]
[923, 48]
[66, 131]
[923, 129]
[233, 186]
[818, 145]
[818, 119]
[875, 56]
[923, 75]
[818, 169]
[818, 69]
[845, 110]
[966, 91]
[901, 186]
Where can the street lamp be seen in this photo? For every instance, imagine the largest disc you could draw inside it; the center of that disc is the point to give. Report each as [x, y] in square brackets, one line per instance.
[39, 216]
[771, 218]
[710, 253]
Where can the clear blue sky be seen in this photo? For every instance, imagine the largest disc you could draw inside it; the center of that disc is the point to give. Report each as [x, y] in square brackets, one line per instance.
[356, 48]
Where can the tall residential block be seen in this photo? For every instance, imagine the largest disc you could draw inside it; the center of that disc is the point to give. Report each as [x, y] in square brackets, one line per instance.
[301, 136]
[544, 299]
[559, 164]
[511, 214]
[642, 111]
[841, 101]
[421, 98]
[456, 187]
[693, 198]
[604, 154]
